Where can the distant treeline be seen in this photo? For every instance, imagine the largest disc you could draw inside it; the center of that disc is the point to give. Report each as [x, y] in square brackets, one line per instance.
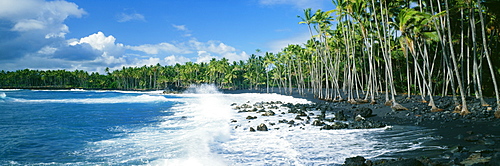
[356, 51]
[235, 75]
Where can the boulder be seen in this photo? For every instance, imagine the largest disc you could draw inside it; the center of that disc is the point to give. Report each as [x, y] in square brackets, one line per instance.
[355, 161]
[359, 118]
[262, 127]
[251, 117]
[340, 116]
[364, 112]
[252, 129]
[403, 162]
[318, 123]
[269, 113]
[335, 126]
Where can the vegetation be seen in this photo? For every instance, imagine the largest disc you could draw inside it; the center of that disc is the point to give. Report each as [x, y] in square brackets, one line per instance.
[360, 49]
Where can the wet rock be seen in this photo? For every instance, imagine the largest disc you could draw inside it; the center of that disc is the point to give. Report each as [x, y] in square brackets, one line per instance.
[301, 114]
[252, 129]
[269, 113]
[355, 161]
[251, 117]
[262, 127]
[298, 117]
[403, 162]
[335, 126]
[283, 121]
[475, 158]
[366, 124]
[340, 116]
[273, 107]
[364, 112]
[359, 118]
[318, 123]
[233, 121]
[245, 106]
[291, 122]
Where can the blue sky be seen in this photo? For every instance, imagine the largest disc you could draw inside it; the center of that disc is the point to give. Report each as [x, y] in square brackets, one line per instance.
[92, 35]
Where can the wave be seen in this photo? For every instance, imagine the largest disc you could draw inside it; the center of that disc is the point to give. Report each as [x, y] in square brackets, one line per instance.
[10, 89]
[111, 100]
[3, 95]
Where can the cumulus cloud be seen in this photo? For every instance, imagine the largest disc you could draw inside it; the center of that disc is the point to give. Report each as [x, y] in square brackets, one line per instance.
[30, 25]
[33, 35]
[160, 48]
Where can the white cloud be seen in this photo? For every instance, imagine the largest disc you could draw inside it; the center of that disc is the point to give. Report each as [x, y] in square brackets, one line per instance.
[159, 48]
[28, 24]
[173, 59]
[299, 4]
[180, 27]
[124, 17]
[100, 42]
[183, 28]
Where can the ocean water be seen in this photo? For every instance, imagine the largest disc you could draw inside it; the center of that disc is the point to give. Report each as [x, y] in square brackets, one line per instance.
[199, 127]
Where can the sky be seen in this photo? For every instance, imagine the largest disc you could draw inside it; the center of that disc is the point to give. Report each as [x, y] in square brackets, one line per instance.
[91, 35]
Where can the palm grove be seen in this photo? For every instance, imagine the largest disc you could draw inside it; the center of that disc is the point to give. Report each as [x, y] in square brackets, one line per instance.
[356, 52]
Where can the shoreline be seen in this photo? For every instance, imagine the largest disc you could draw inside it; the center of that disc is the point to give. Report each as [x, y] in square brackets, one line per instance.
[465, 140]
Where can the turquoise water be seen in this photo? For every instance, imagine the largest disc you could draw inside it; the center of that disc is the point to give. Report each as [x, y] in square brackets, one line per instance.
[200, 127]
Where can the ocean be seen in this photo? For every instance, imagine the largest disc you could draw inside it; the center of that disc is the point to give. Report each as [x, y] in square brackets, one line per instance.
[198, 127]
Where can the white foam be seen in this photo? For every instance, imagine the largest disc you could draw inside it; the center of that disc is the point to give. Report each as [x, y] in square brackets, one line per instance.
[10, 89]
[2, 95]
[201, 133]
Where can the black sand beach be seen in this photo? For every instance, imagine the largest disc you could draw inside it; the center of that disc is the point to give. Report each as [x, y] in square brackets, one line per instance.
[473, 139]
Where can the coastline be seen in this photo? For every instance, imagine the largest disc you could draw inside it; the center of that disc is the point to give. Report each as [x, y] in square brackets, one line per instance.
[464, 140]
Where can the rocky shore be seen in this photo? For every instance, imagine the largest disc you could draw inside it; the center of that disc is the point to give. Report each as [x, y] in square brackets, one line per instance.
[473, 139]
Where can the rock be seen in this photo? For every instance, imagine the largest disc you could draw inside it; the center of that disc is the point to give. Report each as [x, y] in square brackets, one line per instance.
[364, 112]
[233, 121]
[318, 123]
[262, 127]
[398, 107]
[340, 116]
[404, 162]
[252, 129]
[475, 158]
[298, 117]
[335, 126]
[355, 161]
[269, 113]
[301, 114]
[283, 121]
[251, 117]
[366, 124]
[359, 118]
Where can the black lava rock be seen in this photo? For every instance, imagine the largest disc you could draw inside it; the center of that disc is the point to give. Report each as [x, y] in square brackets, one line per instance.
[355, 161]
[364, 112]
[262, 127]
